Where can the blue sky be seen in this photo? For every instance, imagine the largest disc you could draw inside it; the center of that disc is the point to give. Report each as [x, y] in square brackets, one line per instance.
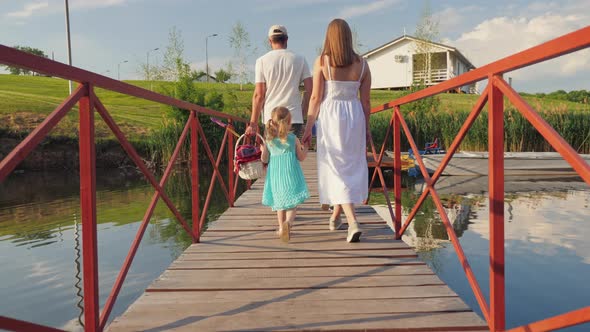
[107, 32]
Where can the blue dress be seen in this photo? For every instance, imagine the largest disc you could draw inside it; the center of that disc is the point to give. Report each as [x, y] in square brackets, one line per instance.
[284, 186]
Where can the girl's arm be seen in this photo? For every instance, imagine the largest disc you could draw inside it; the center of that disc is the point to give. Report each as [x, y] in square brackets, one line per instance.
[265, 154]
[300, 149]
[315, 100]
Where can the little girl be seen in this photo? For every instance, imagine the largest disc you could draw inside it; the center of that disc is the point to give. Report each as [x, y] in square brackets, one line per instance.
[284, 187]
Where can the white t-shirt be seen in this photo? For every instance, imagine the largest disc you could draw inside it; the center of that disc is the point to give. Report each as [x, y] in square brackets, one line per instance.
[282, 71]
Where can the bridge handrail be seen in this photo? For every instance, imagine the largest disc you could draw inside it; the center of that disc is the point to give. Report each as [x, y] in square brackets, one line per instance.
[496, 90]
[89, 103]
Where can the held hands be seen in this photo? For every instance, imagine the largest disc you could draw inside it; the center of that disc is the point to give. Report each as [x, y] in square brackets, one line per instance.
[306, 140]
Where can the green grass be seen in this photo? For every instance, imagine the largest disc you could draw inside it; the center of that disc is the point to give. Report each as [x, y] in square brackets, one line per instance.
[26, 100]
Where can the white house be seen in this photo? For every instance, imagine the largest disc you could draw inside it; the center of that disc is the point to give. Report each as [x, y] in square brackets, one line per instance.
[400, 62]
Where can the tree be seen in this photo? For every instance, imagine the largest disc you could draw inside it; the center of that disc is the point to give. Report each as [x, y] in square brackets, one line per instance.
[356, 42]
[427, 32]
[197, 74]
[222, 76]
[22, 71]
[151, 72]
[173, 57]
[239, 40]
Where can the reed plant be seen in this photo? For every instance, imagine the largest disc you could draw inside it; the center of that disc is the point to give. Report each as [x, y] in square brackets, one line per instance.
[444, 123]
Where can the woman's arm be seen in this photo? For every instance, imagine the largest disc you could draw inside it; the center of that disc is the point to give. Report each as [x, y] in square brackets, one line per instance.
[365, 96]
[300, 149]
[315, 100]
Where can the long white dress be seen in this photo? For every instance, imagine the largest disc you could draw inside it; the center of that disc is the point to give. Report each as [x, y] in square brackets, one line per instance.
[341, 143]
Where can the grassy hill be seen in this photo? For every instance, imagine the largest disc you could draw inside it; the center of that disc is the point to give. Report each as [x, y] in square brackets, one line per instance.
[26, 100]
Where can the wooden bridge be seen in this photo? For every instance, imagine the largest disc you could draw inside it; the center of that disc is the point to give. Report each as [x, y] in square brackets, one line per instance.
[242, 277]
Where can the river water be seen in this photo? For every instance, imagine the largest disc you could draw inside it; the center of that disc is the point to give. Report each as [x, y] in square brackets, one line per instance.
[547, 242]
[40, 240]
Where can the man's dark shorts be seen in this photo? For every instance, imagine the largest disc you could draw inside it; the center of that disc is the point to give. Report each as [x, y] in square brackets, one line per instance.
[298, 129]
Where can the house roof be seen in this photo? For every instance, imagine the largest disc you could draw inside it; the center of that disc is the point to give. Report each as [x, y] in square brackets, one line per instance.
[402, 38]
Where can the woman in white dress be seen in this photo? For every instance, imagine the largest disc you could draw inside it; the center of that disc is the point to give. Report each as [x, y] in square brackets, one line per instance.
[340, 76]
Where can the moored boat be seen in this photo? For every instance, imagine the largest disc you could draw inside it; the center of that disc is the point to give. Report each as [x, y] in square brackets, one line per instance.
[515, 163]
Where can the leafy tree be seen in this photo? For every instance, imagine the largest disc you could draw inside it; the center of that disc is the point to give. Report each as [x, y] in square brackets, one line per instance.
[173, 57]
[22, 71]
[576, 96]
[197, 74]
[239, 40]
[427, 32]
[222, 76]
[356, 42]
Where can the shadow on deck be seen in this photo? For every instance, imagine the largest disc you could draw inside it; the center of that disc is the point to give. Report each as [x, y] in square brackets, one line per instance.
[242, 278]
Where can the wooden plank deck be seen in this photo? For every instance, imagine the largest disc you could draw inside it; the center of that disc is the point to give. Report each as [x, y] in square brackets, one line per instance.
[241, 277]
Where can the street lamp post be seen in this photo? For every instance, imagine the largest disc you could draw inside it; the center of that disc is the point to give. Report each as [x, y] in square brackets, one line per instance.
[207, 55]
[119, 69]
[68, 39]
[148, 65]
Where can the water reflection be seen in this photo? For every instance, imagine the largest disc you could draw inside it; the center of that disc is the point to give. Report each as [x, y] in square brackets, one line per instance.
[547, 243]
[40, 239]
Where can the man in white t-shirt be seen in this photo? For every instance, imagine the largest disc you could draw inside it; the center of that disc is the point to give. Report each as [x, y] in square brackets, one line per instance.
[278, 75]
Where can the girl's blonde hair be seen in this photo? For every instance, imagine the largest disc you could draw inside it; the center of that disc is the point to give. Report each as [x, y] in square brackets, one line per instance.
[338, 44]
[279, 124]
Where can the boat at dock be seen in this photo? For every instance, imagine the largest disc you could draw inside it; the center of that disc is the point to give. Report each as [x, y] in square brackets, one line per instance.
[515, 163]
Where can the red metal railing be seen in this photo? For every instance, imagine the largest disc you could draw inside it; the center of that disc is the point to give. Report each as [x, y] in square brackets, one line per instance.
[496, 90]
[88, 102]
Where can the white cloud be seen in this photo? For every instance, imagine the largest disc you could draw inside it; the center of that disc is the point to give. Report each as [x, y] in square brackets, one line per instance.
[96, 3]
[28, 10]
[265, 5]
[364, 9]
[535, 216]
[499, 37]
[55, 6]
[452, 18]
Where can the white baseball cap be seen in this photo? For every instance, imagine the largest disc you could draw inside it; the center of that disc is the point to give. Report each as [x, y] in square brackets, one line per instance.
[277, 30]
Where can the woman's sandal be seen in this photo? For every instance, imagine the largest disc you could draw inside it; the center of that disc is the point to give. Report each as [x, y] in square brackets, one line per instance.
[354, 232]
[335, 224]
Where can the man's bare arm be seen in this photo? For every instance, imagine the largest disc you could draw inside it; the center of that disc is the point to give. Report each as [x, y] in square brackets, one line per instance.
[307, 85]
[258, 99]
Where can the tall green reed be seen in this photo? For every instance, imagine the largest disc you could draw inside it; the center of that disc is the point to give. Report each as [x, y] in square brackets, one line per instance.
[427, 124]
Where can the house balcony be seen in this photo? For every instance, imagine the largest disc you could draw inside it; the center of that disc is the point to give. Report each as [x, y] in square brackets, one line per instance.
[433, 77]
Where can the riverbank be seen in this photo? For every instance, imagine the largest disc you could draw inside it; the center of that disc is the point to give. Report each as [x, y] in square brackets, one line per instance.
[25, 101]
[64, 155]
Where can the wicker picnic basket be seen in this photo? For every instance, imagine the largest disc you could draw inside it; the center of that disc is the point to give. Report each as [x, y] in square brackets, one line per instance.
[247, 161]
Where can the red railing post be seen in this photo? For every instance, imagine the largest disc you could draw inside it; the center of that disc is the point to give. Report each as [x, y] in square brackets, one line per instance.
[496, 192]
[230, 163]
[88, 212]
[195, 179]
[397, 171]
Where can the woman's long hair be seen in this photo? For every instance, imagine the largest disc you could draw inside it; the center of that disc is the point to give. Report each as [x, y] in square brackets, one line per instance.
[338, 44]
[279, 124]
